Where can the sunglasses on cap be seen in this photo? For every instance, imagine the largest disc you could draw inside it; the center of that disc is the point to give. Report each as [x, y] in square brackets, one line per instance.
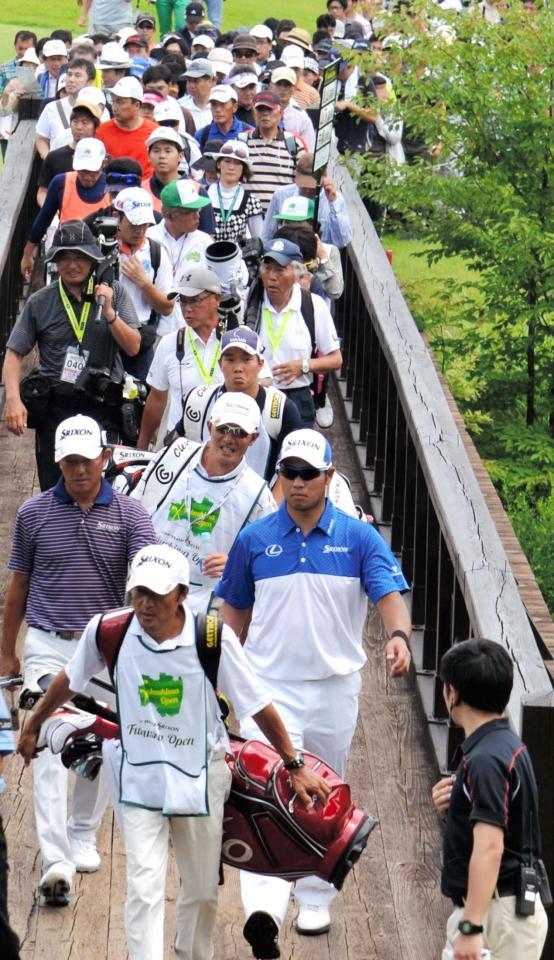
[239, 152]
[224, 429]
[305, 473]
[123, 180]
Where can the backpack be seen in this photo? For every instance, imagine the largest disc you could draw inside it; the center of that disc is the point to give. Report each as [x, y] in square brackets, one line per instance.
[253, 311]
[112, 628]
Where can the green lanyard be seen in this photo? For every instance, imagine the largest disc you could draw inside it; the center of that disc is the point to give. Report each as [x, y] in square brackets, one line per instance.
[205, 374]
[275, 336]
[78, 323]
[226, 213]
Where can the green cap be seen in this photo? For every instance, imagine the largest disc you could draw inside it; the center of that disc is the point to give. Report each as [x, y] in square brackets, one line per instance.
[183, 193]
[296, 208]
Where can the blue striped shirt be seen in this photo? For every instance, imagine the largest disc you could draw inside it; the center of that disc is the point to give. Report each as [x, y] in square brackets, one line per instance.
[76, 560]
[7, 744]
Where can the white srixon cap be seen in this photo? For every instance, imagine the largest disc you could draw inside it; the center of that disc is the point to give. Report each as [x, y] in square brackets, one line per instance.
[309, 446]
[236, 409]
[159, 568]
[136, 204]
[78, 436]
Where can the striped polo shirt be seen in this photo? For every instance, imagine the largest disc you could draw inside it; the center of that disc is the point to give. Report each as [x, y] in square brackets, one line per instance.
[308, 592]
[272, 164]
[76, 560]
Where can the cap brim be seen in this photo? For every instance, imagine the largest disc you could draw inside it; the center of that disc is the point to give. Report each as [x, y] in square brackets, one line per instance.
[241, 346]
[90, 250]
[72, 450]
[292, 217]
[149, 581]
[280, 258]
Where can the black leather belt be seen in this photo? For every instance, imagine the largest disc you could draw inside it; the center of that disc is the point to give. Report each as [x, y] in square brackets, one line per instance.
[505, 889]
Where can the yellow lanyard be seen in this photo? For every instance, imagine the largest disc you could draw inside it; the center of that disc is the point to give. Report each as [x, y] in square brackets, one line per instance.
[78, 323]
[275, 336]
[204, 373]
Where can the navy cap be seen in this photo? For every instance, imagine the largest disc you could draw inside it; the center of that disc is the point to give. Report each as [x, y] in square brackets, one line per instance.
[282, 251]
[244, 338]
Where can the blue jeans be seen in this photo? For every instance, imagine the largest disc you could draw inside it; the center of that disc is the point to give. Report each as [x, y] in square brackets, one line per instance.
[215, 12]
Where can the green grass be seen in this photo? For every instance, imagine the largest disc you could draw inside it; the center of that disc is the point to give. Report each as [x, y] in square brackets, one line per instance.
[422, 282]
[42, 16]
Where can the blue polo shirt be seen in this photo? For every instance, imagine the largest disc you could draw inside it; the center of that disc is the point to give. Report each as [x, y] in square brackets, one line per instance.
[212, 132]
[76, 560]
[308, 592]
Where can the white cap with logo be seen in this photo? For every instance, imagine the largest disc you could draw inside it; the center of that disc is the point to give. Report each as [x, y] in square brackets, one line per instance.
[78, 436]
[54, 48]
[237, 409]
[309, 446]
[89, 154]
[136, 204]
[128, 88]
[159, 568]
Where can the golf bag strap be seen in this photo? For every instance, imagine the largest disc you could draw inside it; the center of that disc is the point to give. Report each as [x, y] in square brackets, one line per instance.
[112, 628]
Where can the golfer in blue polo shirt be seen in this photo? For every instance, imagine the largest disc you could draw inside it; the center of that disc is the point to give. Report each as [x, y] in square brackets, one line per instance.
[303, 575]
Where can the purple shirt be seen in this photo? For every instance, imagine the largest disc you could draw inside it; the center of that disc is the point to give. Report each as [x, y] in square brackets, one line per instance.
[77, 561]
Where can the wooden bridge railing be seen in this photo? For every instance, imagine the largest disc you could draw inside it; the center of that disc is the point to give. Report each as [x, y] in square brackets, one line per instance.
[427, 501]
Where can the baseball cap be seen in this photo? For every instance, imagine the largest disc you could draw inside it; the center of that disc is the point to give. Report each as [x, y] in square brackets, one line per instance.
[293, 56]
[309, 446]
[129, 88]
[136, 204]
[92, 95]
[151, 97]
[222, 55]
[89, 153]
[78, 436]
[245, 339]
[221, 67]
[125, 32]
[261, 32]
[201, 67]
[282, 251]
[30, 56]
[138, 41]
[145, 18]
[244, 41]
[198, 280]
[113, 57]
[164, 133]
[160, 568]
[95, 109]
[267, 99]
[242, 80]
[183, 193]
[311, 64]
[284, 73]
[203, 40]
[222, 93]
[168, 110]
[296, 208]
[194, 11]
[54, 48]
[238, 409]
[303, 174]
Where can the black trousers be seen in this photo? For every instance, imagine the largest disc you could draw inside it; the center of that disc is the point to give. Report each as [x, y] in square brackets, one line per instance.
[303, 399]
[108, 417]
[9, 943]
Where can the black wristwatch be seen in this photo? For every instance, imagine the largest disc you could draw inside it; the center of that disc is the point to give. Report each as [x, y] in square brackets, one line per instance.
[297, 763]
[468, 928]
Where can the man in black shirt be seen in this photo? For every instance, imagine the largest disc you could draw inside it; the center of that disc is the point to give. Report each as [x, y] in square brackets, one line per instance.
[85, 120]
[491, 810]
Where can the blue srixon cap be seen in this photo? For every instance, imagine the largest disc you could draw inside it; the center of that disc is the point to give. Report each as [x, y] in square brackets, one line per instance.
[282, 251]
[244, 338]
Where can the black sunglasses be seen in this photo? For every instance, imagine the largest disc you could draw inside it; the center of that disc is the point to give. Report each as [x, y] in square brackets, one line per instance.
[305, 473]
[235, 431]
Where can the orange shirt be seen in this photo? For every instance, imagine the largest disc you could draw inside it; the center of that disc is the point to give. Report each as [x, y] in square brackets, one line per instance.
[72, 207]
[127, 143]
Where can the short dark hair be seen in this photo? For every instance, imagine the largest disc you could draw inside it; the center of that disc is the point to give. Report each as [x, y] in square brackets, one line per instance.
[323, 22]
[79, 111]
[284, 25]
[25, 35]
[99, 37]
[79, 63]
[301, 234]
[481, 671]
[272, 23]
[64, 35]
[343, 3]
[159, 72]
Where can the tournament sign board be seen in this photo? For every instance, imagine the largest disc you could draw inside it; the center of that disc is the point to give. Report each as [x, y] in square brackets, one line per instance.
[324, 132]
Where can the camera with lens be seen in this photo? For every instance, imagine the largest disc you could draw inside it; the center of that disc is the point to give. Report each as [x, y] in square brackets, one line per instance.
[98, 383]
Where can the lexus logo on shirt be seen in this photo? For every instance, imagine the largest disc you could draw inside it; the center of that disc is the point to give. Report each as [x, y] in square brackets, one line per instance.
[274, 550]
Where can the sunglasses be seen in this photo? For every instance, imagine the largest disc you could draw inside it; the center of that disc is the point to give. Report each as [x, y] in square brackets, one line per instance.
[244, 54]
[305, 473]
[239, 152]
[224, 429]
[122, 180]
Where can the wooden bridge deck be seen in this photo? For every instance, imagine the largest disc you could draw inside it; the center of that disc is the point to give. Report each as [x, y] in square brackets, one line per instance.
[391, 906]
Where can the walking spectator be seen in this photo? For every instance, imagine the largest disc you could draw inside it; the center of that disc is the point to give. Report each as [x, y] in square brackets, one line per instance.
[126, 134]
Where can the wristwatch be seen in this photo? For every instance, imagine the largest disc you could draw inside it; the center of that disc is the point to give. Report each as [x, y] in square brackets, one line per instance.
[305, 366]
[297, 763]
[468, 928]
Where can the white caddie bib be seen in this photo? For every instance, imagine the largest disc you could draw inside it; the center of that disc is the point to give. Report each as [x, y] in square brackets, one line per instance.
[161, 696]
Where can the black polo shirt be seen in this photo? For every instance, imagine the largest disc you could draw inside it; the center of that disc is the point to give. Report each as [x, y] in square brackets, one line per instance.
[495, 783]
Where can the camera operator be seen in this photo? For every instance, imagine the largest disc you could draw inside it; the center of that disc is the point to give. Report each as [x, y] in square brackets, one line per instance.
[79, 326]
[145, 272]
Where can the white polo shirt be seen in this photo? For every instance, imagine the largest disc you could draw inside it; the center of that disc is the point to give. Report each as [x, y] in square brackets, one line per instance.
[163, 282]
[51, 126]
[179, 377]
[202, 116]
[295, 343]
